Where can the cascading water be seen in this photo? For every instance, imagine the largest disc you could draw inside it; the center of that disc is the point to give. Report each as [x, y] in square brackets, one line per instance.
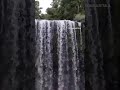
[59, 57]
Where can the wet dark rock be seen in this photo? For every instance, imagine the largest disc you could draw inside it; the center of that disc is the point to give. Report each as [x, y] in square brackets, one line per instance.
[17, 45]
[102, 45]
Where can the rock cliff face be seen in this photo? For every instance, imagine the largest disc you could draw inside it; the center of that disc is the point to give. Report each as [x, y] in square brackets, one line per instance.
[102, 44]
[17, 45]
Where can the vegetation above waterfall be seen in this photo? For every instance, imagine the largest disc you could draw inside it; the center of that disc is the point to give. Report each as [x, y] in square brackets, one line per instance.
[62, 9]
[37, 10]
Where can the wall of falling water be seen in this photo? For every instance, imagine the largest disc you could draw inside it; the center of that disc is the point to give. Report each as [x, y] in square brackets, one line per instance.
[59, 57]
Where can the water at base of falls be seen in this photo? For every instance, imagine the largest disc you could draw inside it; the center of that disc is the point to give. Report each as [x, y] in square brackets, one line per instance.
[59, 58]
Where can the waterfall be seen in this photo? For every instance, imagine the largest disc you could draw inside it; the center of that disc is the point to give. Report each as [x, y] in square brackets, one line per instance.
[59, 57]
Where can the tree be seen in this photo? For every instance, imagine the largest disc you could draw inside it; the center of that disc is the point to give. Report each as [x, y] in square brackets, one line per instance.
[37, 10]
[70, 8]
[65, 9]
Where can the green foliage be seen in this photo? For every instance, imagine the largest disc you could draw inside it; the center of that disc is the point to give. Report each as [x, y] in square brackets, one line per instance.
[66, 9]
[37, 10]
[79, 17]
[63, 9]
